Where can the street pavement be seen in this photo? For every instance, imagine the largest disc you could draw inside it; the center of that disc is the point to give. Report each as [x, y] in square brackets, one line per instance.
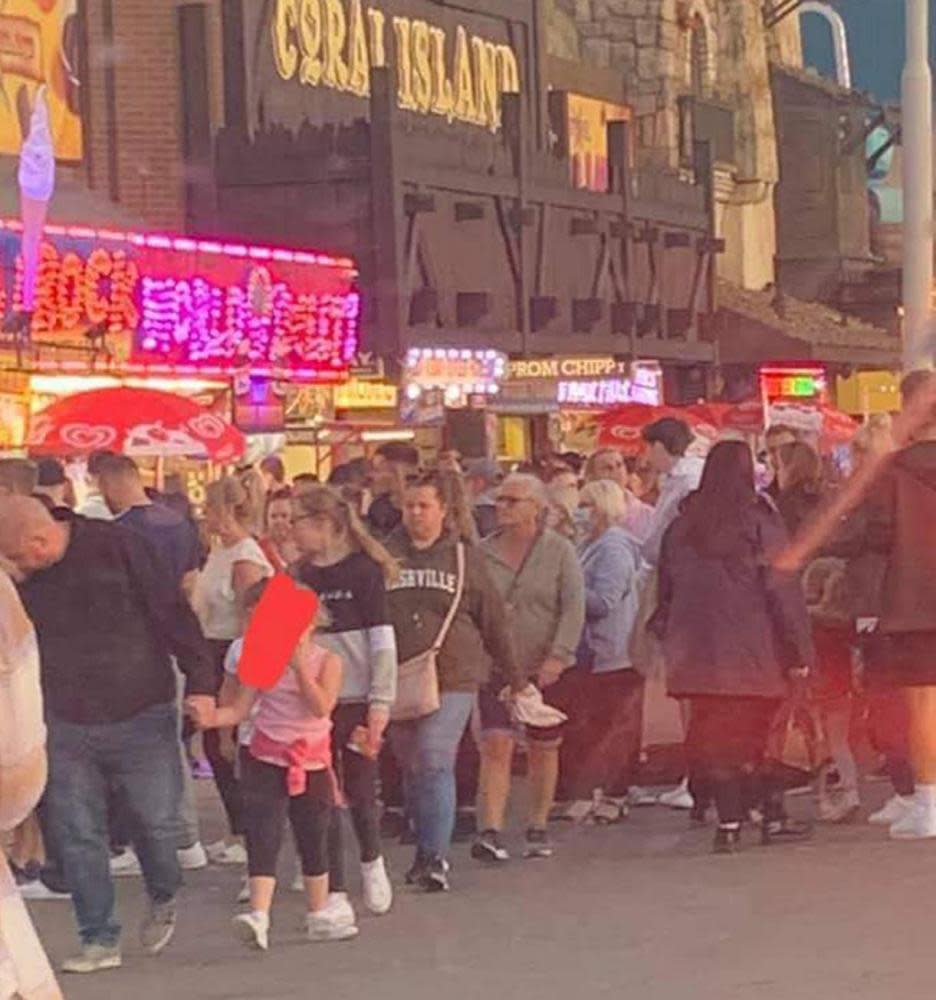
[641, 910]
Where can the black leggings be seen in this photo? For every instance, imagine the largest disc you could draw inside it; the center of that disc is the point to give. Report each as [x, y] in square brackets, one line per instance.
[222, 769]
[357, 775]
[266, 802]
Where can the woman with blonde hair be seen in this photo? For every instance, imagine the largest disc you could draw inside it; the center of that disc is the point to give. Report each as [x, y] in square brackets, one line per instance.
[24, 968]
[236, 562]
[349, 570]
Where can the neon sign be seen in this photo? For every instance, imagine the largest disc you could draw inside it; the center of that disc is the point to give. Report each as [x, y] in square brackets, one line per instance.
[459, 373]
[181, 305]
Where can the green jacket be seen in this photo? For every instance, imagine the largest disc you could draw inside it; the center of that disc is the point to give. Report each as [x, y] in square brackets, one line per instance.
[545, 601]
[478, 647]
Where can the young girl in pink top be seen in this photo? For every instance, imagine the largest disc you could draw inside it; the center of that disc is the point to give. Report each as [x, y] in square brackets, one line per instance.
[286, 769]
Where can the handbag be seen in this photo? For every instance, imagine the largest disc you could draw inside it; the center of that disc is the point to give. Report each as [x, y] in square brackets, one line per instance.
[418, 677]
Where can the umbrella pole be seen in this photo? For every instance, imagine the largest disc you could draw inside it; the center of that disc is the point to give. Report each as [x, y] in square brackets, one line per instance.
[160, 473]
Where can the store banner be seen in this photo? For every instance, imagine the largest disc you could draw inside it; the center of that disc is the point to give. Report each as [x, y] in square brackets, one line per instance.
[588, 139]
[158, 304]
[40, 45]
[311, 60]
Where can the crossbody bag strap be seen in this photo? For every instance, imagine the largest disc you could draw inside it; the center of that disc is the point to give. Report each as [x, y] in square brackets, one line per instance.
[459, 590]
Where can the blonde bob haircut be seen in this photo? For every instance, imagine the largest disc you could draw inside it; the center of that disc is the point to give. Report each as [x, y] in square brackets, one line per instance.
[607, 498]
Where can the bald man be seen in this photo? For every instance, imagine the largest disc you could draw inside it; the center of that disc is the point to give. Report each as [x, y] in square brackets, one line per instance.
[108, 621]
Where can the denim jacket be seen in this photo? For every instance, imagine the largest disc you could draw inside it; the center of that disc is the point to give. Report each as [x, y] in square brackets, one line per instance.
[610, 565]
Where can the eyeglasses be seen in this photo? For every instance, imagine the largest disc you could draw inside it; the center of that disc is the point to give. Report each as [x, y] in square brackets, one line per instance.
[510, 501]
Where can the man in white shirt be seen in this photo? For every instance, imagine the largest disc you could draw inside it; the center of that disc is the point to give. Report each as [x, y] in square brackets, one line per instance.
[94, 505]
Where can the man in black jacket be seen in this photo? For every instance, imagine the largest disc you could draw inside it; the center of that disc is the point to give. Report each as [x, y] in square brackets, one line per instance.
[108, 622]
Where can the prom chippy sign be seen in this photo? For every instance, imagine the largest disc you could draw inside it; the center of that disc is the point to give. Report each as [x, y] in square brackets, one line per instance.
[163, 305]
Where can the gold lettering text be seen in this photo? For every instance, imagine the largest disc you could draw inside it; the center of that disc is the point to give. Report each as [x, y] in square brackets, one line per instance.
[443, 103]
[422, 71]
[401, 25]
[310, 41]
[335, 73]
[485, 58]
[359, 63]
[283, 23]
[378, 48]
[465, 108]
[509, 71]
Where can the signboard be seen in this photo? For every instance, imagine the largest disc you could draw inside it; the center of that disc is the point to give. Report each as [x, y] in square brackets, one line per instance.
[259, 405]
[458, 373]
[358, 395]
[545, 384]
[160, 304]
[799, 383]
[310, 60]
[40, 44]
[588, 139]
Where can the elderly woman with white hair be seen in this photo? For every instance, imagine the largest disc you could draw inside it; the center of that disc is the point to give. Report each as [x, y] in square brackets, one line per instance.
[536, 572]
[24, 970]
[602, 743]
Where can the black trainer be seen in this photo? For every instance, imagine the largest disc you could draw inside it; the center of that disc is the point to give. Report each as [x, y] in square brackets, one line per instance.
[418, 868]
[538, 844]
[434, 876]
[727, 840]
[778, 831]
[488, 848]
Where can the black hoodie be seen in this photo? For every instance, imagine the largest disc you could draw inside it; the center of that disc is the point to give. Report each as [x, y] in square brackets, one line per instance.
[902, 526]
[477, 648]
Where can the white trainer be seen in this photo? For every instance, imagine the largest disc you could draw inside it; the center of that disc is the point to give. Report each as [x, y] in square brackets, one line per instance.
[253, 929]
[192, 859]
[221, 853]
[893, 810]
[323, 926]
[919, 823]
[37, 891]
[378, 892]
[678, 798]
[126, 864]
[339, 909]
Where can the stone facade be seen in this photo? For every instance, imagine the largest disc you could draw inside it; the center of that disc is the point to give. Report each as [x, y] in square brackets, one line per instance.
[712, 49]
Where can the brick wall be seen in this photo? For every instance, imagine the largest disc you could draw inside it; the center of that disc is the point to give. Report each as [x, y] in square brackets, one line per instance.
[150, 172]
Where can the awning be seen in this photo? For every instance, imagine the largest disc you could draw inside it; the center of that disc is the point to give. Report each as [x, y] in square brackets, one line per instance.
[751, 329]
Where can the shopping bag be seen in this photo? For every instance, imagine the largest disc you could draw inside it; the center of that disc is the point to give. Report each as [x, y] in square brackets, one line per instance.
[795, 745]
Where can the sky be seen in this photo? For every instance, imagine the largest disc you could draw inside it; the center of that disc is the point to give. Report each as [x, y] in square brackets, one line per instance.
[876, 44]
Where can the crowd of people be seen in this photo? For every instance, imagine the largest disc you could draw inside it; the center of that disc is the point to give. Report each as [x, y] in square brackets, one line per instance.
[466, 614]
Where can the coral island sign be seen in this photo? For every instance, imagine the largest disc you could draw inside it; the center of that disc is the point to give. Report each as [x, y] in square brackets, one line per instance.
[335, 43]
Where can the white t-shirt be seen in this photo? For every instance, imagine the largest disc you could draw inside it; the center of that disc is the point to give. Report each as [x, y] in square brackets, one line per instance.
[214, 600]
[245, 730]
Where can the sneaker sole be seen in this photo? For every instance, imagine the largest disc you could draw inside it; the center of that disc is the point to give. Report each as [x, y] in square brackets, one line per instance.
[488, 855]
[161, 944]
[247, 935]
[912, 836]
[378, 911]
[338, 934]
[103, 966]
[434, 885]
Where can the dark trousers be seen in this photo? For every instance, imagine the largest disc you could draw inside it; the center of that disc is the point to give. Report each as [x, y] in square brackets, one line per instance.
[140, 757]
[266, 804]
[357, 776]
[601, 744]
[225, 777]
[725, 748]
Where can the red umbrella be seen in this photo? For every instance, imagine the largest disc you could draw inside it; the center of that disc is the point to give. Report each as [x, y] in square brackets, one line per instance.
[832, 426]
[141, 422]
[621, 427]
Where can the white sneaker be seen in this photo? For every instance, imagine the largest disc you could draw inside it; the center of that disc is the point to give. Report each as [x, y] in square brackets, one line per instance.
[92, 958]
[577, 812]
[919, 823]
[38, 892]
[221, 853]
[243, 895]
[638, 797]
[378, 892]
[323, 926]
[126, 864]
[893, 810]
[253, 929]
[192, 859]
[677, 798]
[339, 910]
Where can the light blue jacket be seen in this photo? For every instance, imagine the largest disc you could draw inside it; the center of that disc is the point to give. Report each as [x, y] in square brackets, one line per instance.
[610, 565]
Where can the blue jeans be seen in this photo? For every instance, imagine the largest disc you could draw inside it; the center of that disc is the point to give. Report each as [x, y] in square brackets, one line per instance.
[138, 757]
[426, 749]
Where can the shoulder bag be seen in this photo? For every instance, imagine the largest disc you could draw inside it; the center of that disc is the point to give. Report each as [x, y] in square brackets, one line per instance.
[418, 677]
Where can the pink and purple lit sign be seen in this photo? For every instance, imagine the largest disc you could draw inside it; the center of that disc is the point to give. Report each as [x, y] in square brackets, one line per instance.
[190, 306]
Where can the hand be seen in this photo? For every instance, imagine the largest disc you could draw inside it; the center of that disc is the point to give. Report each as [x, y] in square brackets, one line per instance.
[201, 709]
[551, 670]
[378, 717]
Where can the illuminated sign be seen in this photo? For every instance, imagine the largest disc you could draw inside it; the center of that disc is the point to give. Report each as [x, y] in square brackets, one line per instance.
[580, 382]
[335, 43]
[793, 383]
[39, 44]
[357, 395]
[259, 406]
[588, 139]
[176, 305]
[567, 367]
[459, 373]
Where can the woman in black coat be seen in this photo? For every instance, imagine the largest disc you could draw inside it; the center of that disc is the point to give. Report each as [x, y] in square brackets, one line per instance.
[733, 631]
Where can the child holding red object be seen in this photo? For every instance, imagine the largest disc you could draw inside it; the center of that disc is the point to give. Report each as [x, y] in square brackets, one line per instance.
[287, 769]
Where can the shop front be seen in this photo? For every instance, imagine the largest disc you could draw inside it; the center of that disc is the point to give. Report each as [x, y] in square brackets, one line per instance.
[230, 324]
[554, 404]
